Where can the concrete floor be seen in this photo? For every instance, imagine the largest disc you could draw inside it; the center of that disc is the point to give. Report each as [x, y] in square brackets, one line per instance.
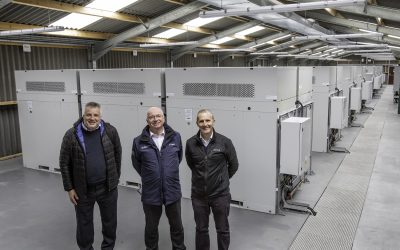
[35, 212]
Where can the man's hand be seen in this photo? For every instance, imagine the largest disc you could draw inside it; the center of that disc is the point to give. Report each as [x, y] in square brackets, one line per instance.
[73, 197]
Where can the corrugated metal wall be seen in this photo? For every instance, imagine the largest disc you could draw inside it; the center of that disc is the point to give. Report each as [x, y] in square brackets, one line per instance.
[237, 61]
[200, 60]
[13, 58]
[124, 59]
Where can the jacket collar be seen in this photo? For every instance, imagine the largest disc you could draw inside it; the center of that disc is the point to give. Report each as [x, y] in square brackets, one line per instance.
[145, 136]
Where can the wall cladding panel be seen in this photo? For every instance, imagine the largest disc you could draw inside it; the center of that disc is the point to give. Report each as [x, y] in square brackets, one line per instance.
[201, 60]
[125, 59]
[237, 61]
[13, 58]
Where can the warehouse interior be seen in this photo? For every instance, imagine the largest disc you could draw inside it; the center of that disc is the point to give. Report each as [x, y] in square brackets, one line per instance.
[307, 90]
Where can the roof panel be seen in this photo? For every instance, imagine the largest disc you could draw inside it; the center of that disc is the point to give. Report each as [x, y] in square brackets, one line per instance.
[15, 13]
[109, 25]
[150, 8]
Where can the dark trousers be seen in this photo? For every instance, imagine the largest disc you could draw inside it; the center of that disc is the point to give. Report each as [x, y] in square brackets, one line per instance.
[107, 202]
[153, 215]
[220, 209]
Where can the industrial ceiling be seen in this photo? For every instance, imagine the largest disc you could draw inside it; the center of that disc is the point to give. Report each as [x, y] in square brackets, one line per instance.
[150, 25]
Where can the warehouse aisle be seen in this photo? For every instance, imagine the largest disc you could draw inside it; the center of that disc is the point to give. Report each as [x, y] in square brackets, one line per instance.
[361, 204]
[35, 212]
[379, 225]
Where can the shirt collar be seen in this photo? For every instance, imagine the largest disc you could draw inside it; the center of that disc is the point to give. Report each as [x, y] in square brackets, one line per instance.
[212, 134]
[157, 135]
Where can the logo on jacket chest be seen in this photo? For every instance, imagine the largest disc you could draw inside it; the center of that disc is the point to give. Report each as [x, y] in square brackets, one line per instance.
[144, 147]
[216, 150]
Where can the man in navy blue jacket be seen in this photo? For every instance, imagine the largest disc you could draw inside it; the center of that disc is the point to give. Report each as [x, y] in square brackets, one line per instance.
[156, 155]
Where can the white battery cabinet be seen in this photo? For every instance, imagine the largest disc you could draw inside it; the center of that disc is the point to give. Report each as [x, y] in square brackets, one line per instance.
[295, 145]
[377, 82]
[47, 108]
[366, 92]
[337, 117]
[125, 96]
[355, 101]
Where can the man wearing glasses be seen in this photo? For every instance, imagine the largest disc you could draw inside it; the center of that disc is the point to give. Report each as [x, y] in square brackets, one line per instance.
[156, 155]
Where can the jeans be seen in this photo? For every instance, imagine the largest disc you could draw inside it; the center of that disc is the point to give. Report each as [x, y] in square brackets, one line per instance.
[153, 215]
[220, 209]
[107, 202]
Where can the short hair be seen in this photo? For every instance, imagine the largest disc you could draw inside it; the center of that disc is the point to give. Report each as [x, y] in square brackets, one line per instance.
[92, 105]
[204, 111]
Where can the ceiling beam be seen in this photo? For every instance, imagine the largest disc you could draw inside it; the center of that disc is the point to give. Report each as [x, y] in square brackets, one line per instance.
[368, 10]
[306, 47]
[356, 24]
[277, 47]
[73, 8]
[180, 52]
[103, 48]
[96, 35]
[263, 40]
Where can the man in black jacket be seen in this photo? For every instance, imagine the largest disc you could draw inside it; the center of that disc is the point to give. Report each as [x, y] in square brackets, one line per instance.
[213, 161]
[90, 162]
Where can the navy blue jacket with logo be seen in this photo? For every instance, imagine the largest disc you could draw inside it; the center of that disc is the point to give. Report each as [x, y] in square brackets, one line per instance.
[212, 167]
[159, 169]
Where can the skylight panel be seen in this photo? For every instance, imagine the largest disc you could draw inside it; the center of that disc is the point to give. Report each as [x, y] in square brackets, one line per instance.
[250, 30]
[198, 22]
[223, 40]
[169, 33]
[79, 21]
[110, 6]
[76, 21]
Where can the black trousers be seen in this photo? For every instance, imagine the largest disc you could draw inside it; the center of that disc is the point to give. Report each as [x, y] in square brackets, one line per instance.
[220, 208]
[107, 202]
[153, 215]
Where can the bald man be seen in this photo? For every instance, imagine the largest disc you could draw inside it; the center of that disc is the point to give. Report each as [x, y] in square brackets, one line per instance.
[156, 155]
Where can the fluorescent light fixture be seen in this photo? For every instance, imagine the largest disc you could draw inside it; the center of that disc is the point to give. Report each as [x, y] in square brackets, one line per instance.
[78, 21]
[154, 45]
[281, 8]
[316, 54]
[312, 57]
[31, 31]
[329, 50]
[270, 53]
[327, 37]
[368, 31]
[368, 51]
[376, 54]
[271, 41]
[249, 30]
[169, 33]
[356, 46]
[223, 40]
[394, 47]
[233, 49]
[392, 36]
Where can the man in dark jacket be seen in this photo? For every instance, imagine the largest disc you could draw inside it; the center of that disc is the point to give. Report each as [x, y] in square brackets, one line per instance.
[156, 155]
[90, 162]
[212, 159]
